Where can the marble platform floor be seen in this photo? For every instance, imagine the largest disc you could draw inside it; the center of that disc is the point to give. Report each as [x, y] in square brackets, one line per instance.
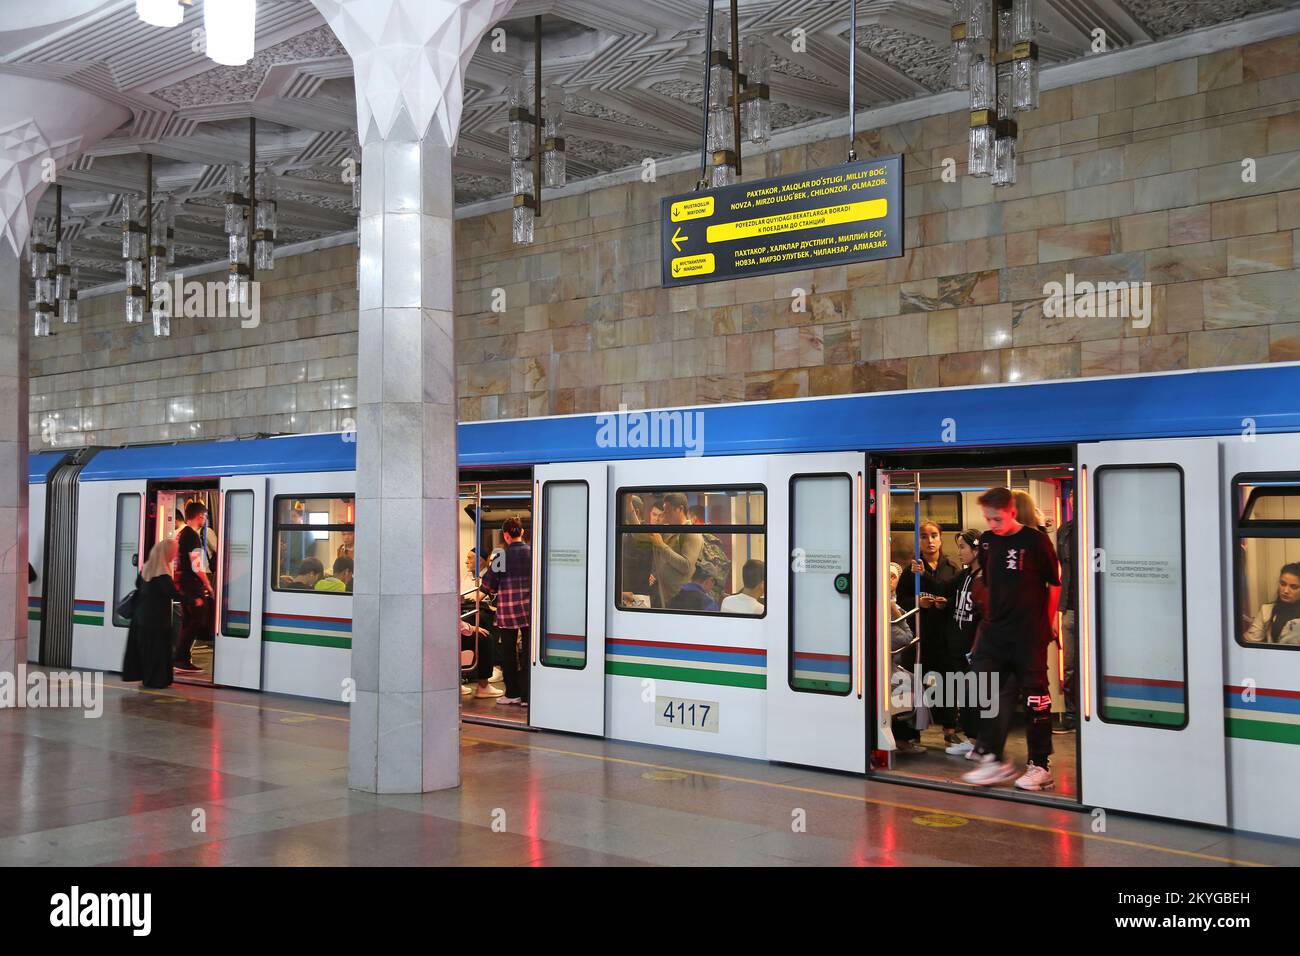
[268, 774]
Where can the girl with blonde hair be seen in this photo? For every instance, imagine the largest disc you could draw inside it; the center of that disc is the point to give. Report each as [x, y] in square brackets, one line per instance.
[148, 657]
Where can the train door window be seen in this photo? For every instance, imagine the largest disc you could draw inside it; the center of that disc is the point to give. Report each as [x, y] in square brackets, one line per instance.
[821, 608]
[1267, 558]
[126, 556]
[1141, 606]
[706, 545]
[237, 565]
[315, 544]
[564, 574]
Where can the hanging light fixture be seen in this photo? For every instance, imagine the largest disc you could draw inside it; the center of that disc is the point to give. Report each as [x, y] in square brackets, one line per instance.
[720, 141]
[230, 26]
[134, 245]
[160, 13]
[42, 252]
[250, 220]
[554, 171]
[264, 211]
[755, 101]
[994, 56]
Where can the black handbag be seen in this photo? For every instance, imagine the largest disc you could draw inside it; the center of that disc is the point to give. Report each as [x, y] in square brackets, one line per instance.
[126, 607]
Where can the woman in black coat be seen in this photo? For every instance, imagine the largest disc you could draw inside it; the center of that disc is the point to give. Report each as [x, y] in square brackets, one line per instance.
[148, 657]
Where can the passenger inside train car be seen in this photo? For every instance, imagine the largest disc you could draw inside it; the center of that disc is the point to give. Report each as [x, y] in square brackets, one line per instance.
[942, 584]
[485, 507]
[696, 560]
[1268, 563]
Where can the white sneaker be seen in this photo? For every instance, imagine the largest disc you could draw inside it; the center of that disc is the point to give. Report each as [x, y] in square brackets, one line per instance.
[466, 690]
[990, 771]
[1035, 778]
[489, 691]
[972, 754]
[960, 748]
[496, 677]
[507, 701]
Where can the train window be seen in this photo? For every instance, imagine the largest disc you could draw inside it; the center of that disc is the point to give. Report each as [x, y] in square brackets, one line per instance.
[706, 554]
[1141, 599]
[126, 558]
[314, 544]
[1267, 560]
[564, 575]
[237, 565]
[821, 605]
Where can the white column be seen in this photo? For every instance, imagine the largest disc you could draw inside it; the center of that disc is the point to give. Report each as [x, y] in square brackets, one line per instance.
[42, 125]
[409, 58]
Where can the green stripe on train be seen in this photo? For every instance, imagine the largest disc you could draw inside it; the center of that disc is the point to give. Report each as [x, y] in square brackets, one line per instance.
[87, 619]
[689, 675]
[310, 640]
[1137, 715]
[1263, 730]
[33, 615]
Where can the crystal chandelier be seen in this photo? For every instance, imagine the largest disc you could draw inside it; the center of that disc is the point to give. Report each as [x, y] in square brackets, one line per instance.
[553, 162]
[250, 221]
[994, 56]
[42, 257]
[523, 127]
[145, 260]
[755, 101]
[536, 144]
[723, 134]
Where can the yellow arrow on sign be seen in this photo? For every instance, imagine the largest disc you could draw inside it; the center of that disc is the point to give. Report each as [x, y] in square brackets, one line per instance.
[678, 238]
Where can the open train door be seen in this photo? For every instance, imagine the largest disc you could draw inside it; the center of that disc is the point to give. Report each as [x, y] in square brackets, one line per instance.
[241, 554]
[1151, 677]
[816, 710]
[570, 516]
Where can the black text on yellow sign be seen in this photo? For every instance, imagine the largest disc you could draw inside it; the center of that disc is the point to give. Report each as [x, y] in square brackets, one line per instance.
[848, 213]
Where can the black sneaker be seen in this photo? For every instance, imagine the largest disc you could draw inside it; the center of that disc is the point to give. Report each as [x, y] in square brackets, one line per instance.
[186, 666]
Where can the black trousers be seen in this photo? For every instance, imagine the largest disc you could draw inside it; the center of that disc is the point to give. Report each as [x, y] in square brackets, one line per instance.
[516, 660]
[1021, 675]
[196, 622]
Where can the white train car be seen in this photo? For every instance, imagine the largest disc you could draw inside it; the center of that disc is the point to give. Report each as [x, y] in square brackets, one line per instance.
[1186, 517]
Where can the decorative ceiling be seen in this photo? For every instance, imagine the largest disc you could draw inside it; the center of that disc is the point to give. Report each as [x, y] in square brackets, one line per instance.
[630, 68]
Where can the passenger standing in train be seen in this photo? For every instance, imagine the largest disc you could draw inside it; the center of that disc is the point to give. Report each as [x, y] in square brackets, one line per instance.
[937, 574]
[902, 650]
[962, 624]
[478, 630]
[1279, 622]
[675, 555]
[637, 554]
[1069, 633]
[1023, 579]
[148, 656]
[193, 584]
[749, 599]
[513, 587]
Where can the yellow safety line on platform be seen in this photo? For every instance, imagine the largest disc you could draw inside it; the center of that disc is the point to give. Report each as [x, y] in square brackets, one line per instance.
[812, 791]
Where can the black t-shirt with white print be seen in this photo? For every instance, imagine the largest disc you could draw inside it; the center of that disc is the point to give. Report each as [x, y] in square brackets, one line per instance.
[1018, 569]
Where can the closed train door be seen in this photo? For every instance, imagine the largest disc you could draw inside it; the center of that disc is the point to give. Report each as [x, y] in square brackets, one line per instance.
[571, 505]
[1151, 680]
[816, 712]
[240, 584]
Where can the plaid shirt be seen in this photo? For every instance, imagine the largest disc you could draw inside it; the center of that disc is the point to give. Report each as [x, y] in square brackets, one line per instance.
[513, 587]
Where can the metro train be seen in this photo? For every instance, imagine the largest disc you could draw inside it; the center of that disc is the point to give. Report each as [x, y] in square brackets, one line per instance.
[1186, 505]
